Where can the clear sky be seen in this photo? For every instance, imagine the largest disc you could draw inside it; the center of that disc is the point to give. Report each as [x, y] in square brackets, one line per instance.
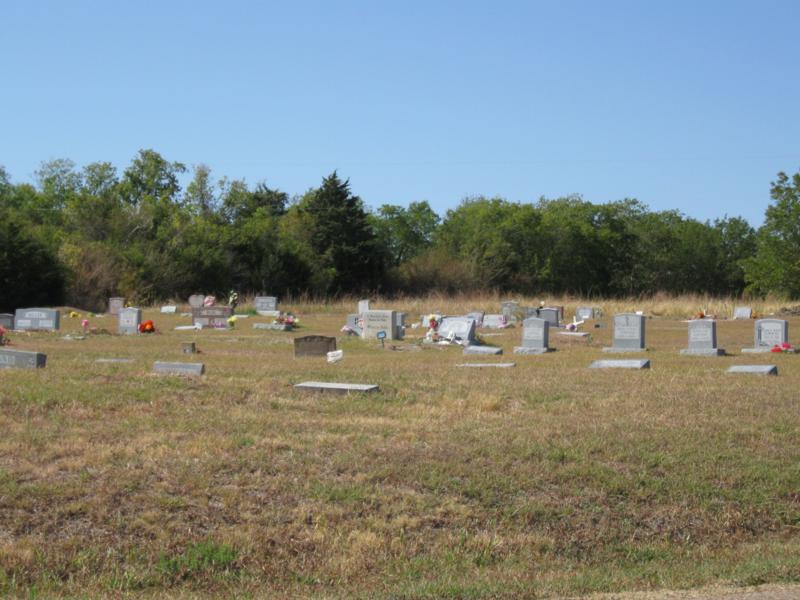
[688, 105]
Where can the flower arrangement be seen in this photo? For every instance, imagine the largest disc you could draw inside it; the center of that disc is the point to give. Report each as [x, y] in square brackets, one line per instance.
[232, 321]
[784, 347]
[287, 319]
[147, 327]
[3, 338]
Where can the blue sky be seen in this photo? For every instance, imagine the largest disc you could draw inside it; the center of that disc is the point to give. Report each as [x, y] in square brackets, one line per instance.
[684, 105]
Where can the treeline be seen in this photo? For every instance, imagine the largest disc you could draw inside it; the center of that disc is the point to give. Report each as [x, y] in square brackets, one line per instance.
[81, 235]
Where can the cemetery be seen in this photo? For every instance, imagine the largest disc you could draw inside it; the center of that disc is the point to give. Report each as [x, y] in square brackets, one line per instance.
[329, 448]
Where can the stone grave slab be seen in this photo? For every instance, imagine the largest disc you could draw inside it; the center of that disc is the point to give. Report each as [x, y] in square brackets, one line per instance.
[487, 365]
[742, 312]
[115, 305]
[703, 339]
[494, 321]
[535, 337]
[629, 333]
[585, 313]
[273, 326]
[214, 317]
[551, 315]
[375, 321]
[22, 359]
[188, 348]
[313, 345]
[129, 321]
[462, 328]
[483, 350]
[267, 306]
[33, 319]
[336, 388]
[754, 369]
[642, 363]
[768, 333]
[111, 361]
[574, 334]
[7, 321]
[178, 368]
[169, 310]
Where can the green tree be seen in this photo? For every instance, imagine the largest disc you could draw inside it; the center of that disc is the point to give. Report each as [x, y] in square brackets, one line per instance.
[775, 268]
[405, 232]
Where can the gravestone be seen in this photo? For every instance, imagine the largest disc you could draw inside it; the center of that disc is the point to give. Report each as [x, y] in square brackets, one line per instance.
[188, 348]
[169, 310]
[178, 368]
[22, 359]
[273, 326]
[7, 321]
[487, 365]
[494, 321]
[37, 319]
[477, 316]
[363, 306]
[754, 369]
[354, 323]
[129, 320]
[196, 300]
[742, 312]
[375, 321]
[399, 325]
[584, 313]
[629, 330]
[115, 305]
[313, 345]
[509, 308]
[461, 328]
[113, 361]
[483, 350]
[769, 333]
[551, 315]
[267, 306]
[703, 339]
[535, 337]
[335, 388]
[215, 317]
[642, 363]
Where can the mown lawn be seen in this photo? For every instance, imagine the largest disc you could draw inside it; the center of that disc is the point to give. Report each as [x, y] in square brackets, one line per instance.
[546, 479]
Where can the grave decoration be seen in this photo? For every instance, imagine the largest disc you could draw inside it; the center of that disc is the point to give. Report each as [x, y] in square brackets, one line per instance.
[3, 337]
[147, 327]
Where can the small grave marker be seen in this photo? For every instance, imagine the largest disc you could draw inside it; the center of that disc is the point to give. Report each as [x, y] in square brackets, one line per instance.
[584, 313]
[313, 345]
[115, 305]
[267, 306]
[129, 320]
[169, 310]
[642, 363]
[273, 326]
[629, 333]
[487, 365]
[483, 350]
[742, 312]
[188, 348]
[114, 360]
[754, 369]
[336, 388]
[363, 306]
[179, 368]
[22, 359]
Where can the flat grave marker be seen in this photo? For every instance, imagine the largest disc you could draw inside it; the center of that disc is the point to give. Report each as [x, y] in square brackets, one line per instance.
[111, 361]
[336, 388]
[487, 365]
[179, 368]
[754, 369]
[22, 359]
[641, 363]
[483, 350]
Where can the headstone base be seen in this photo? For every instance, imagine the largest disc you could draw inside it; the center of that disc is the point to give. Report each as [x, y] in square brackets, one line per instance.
[620, 364]
[484, 350]
[526, 350]
[703, 352]
[615, 349]
[754, 369]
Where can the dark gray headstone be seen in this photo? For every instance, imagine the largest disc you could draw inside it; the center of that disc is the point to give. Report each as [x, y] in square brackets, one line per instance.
[768, 334]
[629, 333]
[129, 320]
[621, 364]
[196, 300]
[313, 345]
[215, 317]
[178, 368]
[336, 388]
[399, 325]
[37, 319]
[376, 321]
[703, 339]
[461, 328]
[550, 315]
[115, 305]
[266, 305]
[754, 369]
[7, 321]
[22, 359]
[742, 312]
[535, 337]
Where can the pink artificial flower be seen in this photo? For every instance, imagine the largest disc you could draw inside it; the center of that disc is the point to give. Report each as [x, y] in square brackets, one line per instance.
[776, 348]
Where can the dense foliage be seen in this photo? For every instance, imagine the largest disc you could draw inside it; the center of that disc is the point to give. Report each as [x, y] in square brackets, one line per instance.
[80, 236]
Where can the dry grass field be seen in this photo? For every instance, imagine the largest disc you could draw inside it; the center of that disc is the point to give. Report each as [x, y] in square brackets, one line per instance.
[548, 479]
